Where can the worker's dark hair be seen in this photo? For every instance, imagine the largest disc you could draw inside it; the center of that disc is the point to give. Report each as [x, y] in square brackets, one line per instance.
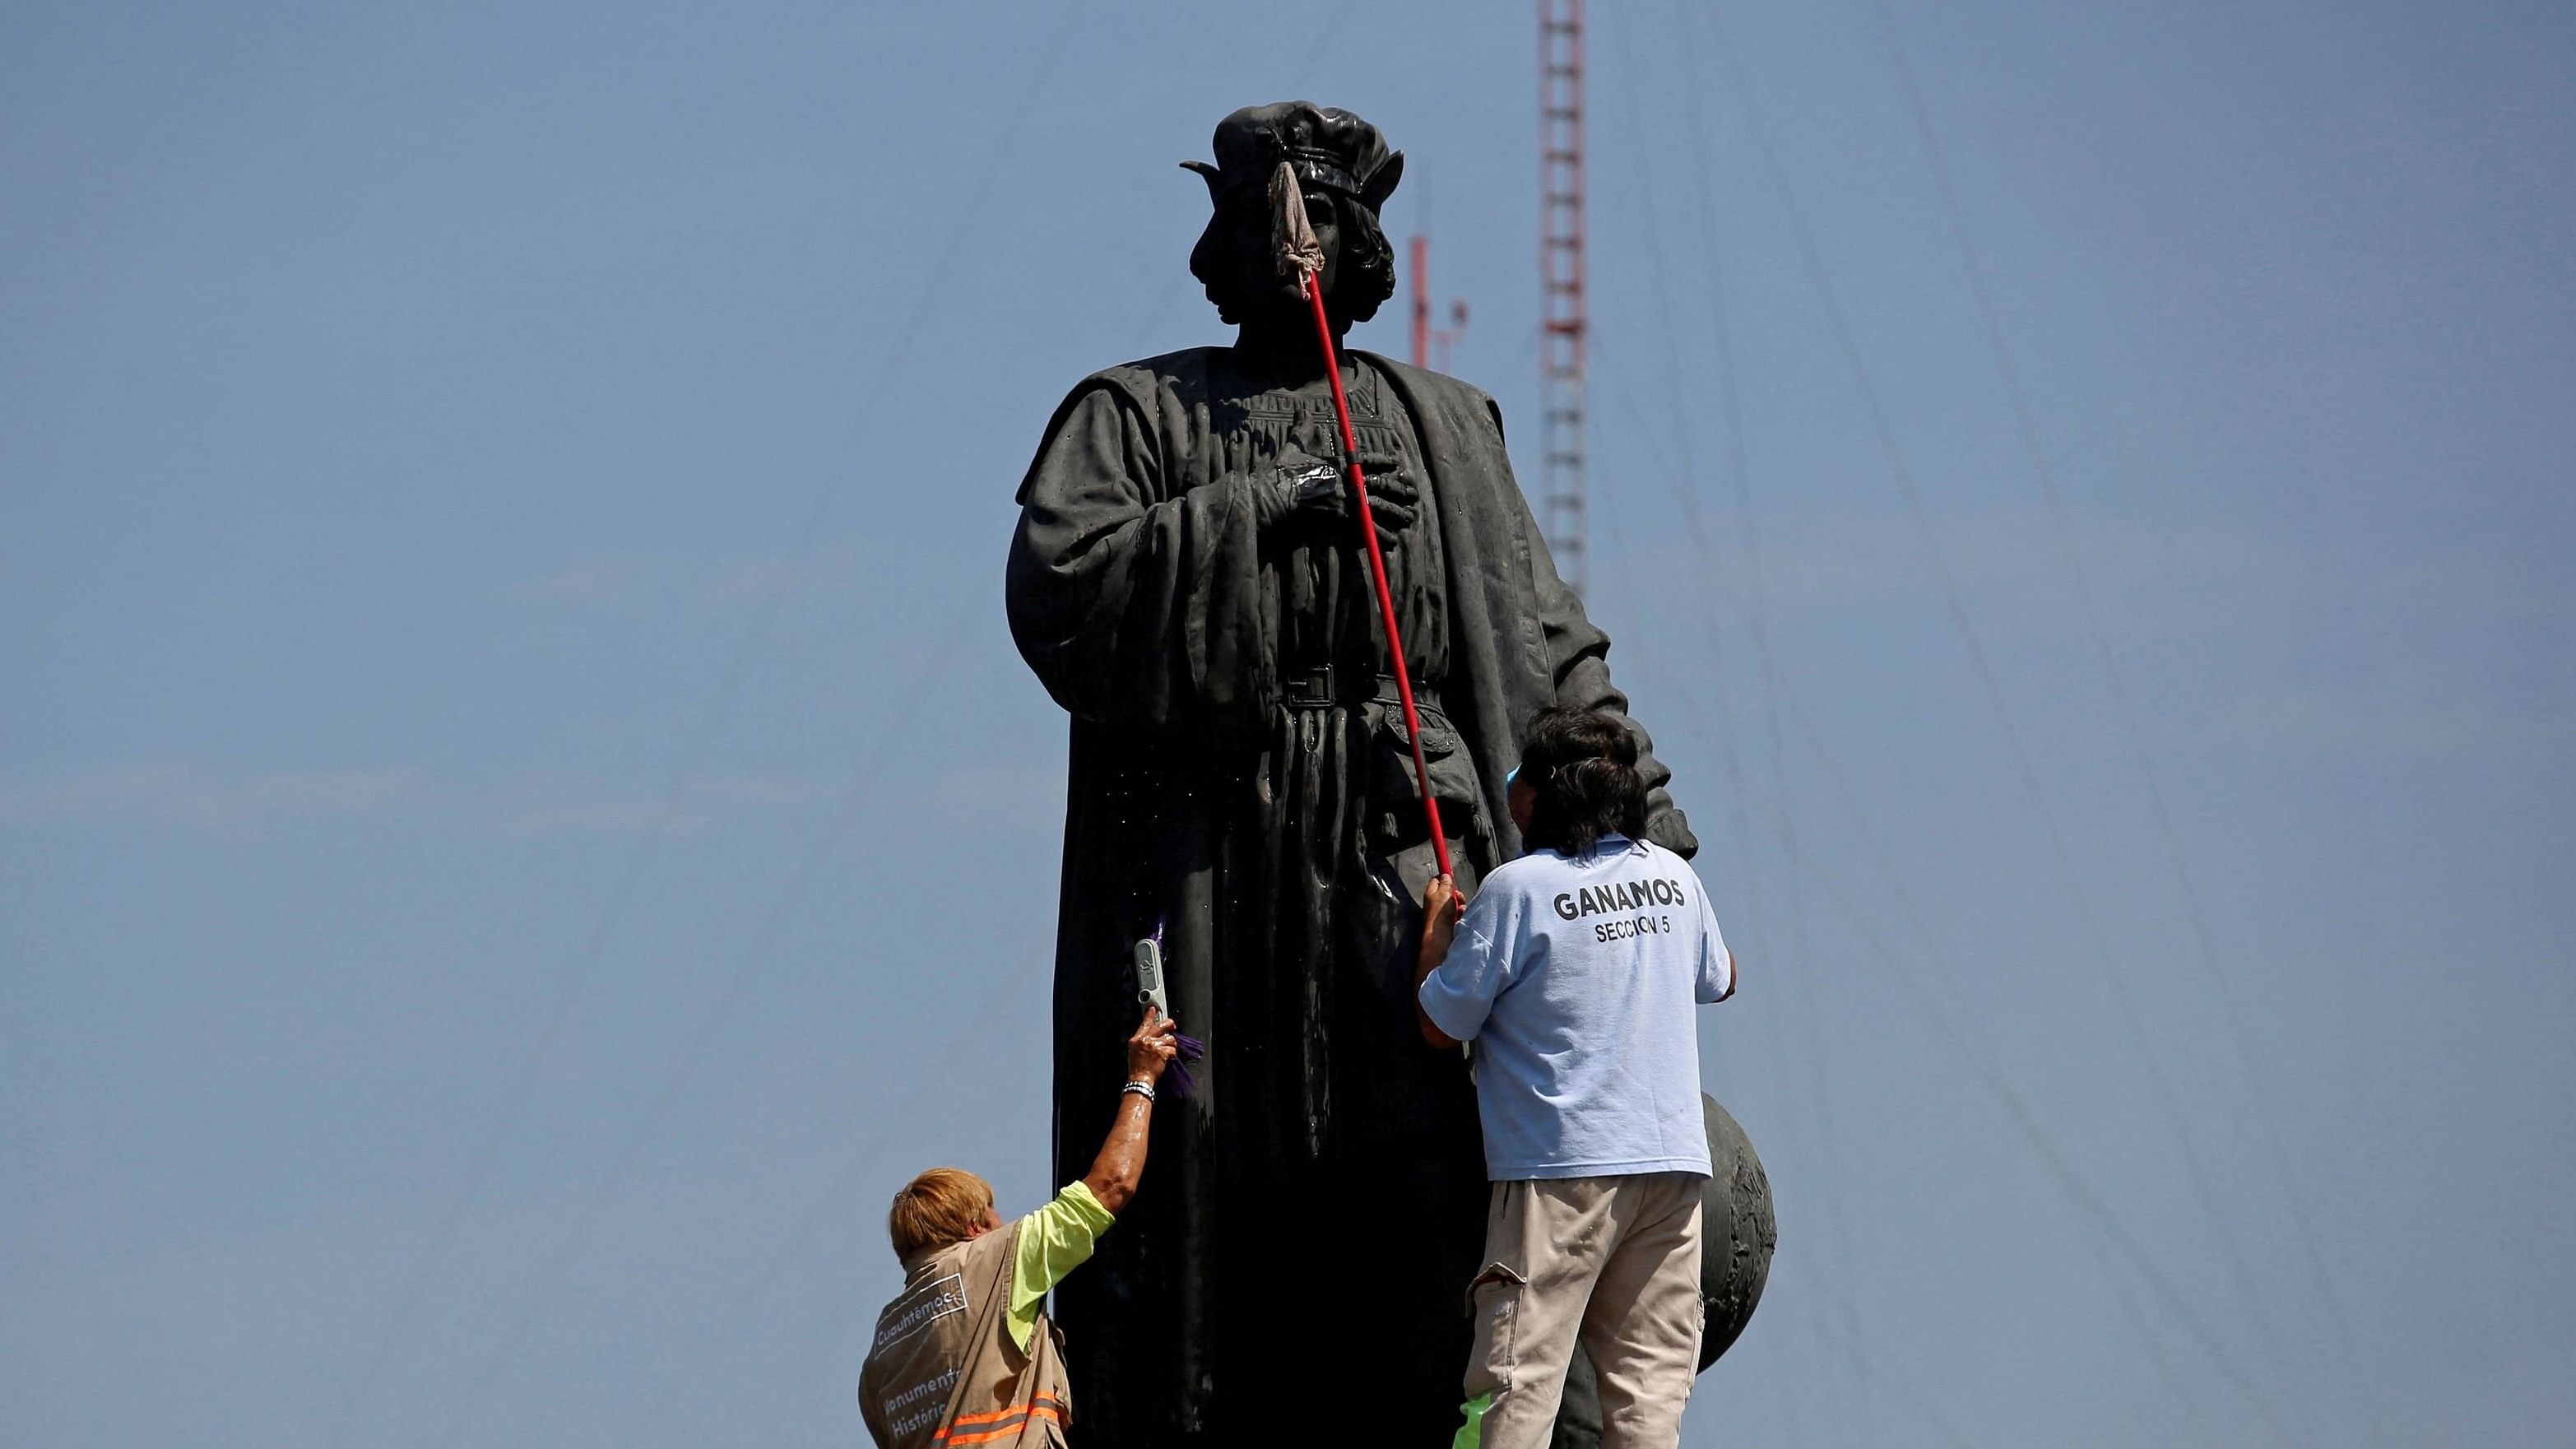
[1583, 763]
[1363, 274]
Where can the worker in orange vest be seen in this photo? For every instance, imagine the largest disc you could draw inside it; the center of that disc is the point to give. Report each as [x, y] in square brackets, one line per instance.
[965, 1354]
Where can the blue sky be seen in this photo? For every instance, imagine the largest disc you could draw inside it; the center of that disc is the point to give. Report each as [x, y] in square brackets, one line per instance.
[516, 797]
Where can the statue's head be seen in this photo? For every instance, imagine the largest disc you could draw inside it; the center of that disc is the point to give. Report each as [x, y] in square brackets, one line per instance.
[1347, 172]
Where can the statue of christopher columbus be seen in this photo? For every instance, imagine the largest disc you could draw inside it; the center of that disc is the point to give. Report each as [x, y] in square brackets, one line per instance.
[1187, 580]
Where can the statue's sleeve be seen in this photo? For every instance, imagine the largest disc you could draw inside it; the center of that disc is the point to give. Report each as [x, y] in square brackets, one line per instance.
[1578, 657]
[1132, 595]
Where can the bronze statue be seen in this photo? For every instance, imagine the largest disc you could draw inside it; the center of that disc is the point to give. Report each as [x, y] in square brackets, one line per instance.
[1186, 581]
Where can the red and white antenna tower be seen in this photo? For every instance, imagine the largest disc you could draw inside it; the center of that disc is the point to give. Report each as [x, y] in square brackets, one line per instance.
[1426, 336]
[1562, 323]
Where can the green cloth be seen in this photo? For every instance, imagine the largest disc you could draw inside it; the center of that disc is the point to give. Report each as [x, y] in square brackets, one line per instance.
[1054, 1241]
[1471, 1435]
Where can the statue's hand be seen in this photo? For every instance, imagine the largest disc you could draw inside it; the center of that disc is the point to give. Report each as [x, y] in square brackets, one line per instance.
[1393, 500]
[1301, 485]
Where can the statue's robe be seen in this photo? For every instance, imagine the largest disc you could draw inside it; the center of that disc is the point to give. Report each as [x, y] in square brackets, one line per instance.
[1295, 1268]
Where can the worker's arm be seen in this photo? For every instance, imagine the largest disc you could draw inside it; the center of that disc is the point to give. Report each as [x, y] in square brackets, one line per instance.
[1121, 1162]
[1441, 907]
[1057, 1238]
[1467, 960]
[1716, 961]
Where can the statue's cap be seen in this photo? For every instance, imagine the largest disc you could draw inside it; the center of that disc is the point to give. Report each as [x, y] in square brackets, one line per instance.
[1326, 147]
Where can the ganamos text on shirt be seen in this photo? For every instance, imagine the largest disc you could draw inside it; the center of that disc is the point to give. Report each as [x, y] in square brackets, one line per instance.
[1628, 901]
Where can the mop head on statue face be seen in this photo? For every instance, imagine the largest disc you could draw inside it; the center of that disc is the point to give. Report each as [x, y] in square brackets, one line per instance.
[1301, 253]
[1346, 172]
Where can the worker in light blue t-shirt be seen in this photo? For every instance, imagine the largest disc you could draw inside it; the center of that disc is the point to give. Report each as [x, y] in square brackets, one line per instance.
[1574, 972]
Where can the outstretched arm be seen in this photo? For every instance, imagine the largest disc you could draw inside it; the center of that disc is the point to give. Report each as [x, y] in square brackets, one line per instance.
[1057, 1238]
[1121, 1162]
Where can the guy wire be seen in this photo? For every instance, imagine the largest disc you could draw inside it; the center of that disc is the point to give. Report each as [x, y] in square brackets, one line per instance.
[2009, 735]
[573, 982]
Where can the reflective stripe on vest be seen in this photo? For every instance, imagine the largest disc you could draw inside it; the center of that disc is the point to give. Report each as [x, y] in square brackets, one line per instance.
[984, 1428]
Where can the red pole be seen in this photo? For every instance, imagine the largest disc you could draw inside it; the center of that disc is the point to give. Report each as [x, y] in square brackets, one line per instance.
[1377, 570]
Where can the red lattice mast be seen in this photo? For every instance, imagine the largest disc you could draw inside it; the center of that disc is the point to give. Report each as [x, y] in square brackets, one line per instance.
[1562, 321]
[1425, 336]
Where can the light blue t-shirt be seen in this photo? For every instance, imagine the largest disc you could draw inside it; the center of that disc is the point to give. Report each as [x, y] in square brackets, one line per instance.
[1575, 978]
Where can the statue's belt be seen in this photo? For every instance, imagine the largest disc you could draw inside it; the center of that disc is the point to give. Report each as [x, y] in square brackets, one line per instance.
[1326, 685]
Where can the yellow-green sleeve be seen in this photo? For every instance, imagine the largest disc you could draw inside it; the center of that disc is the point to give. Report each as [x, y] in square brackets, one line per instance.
[1054, 1241]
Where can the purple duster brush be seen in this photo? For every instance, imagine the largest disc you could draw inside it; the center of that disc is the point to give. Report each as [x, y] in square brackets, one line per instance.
[1150, 992]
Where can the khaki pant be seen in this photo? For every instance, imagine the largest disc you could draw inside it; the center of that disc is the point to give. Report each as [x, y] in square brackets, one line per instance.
[1613, 1261]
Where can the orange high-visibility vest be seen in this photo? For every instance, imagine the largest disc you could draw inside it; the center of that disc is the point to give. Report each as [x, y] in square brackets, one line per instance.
[944, 1370]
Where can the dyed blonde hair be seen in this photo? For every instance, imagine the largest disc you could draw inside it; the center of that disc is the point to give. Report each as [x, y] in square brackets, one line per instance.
[942, 1206]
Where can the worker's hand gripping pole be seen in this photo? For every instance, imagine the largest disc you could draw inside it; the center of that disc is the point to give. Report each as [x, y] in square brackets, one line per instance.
[1299, 250]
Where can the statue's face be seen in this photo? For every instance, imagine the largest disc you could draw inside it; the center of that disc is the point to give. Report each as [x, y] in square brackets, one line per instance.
[1256, 252]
